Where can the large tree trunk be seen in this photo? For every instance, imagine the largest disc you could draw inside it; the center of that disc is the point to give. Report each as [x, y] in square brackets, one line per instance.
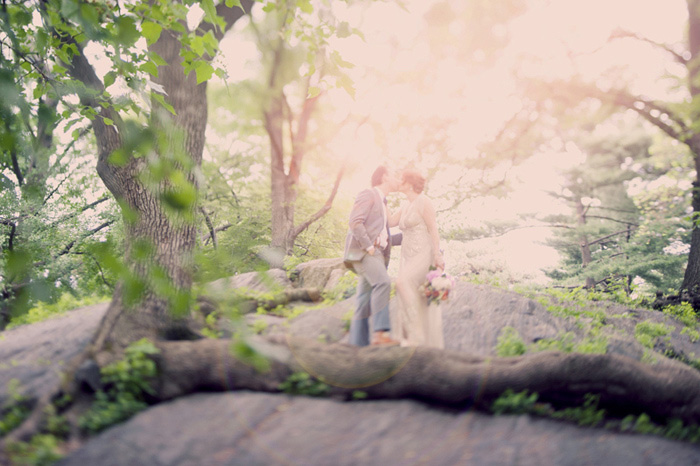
[167, 238]
[282, 185]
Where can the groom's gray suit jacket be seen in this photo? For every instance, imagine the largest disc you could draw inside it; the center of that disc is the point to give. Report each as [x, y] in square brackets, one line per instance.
[366, 222]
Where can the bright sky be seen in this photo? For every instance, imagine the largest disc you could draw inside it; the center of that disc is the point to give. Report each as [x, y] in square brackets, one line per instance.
[556, 37]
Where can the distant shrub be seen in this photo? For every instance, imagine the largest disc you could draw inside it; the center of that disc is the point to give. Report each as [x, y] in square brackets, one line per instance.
[43, 311]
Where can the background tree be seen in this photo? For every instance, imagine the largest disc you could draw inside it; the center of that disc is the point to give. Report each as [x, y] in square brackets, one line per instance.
[676, 117]
[51, 205]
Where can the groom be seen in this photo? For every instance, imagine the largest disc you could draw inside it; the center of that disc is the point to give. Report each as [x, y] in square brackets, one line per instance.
[367, 249]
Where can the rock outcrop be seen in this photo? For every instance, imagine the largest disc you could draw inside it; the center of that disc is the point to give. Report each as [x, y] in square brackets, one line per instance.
[246, 427]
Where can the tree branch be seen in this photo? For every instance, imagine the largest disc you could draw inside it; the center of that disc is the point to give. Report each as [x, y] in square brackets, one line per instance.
[623, 34]
[322, 211]
[603, 238]
[612, 220]
[82, 209]
[223, 227]
[15, 167]
[207, 220]
[70, 245]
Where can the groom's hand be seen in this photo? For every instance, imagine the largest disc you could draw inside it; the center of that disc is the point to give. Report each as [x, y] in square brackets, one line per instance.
[371, 250]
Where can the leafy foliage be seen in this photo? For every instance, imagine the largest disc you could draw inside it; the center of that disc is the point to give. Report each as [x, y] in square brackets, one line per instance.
[15, 410]
[301, 383]
[647, 333]
[510, 343]
[128, 384]
[590, 415]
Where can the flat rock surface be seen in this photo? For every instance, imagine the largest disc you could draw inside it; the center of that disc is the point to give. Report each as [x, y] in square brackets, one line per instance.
[244, 428]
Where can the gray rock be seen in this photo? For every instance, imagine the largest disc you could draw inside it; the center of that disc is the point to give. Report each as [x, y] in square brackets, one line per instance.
[333, 279]
[256, 281]
[475, 315]
[316, 273]
[36, 354]
[263, 429]
[327, 324]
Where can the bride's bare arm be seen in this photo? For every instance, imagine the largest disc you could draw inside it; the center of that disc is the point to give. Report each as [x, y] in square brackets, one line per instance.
[431, 223]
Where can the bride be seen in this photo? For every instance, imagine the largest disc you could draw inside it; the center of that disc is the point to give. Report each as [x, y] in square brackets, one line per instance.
[418, 324]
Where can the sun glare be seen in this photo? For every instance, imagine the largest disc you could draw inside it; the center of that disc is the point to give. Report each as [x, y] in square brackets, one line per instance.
[399, 80]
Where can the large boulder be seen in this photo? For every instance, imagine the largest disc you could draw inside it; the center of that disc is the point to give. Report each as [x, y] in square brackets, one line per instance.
[262, 282]
[316, 273]
[36, 354]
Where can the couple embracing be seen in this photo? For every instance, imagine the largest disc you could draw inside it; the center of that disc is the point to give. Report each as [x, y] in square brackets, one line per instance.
[367, 252]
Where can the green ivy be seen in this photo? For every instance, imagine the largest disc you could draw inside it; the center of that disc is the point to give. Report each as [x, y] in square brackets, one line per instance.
[510, 343]
[647, 333]
[590, 415]
[41, 450]
[15, 410]
[128, 383]
[301, 383]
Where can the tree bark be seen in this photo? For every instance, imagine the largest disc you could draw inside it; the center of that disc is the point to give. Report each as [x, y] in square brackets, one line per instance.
[169, 239]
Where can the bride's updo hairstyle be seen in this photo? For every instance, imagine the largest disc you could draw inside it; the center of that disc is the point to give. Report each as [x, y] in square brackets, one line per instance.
[414, 179]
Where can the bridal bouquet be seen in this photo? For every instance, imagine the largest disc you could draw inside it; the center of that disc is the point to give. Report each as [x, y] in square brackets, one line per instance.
[437, 286]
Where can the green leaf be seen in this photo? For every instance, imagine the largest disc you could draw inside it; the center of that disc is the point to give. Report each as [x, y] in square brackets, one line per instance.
[58, 69]
[127, 34]
[232, 3]
[178, 200]
[157, 59]
[338, 60]
[151, 31]
[204, 71]
[89, 14]
[108, 121]
[150, 68]
[209, 10]
[160, 99]
[69, 8]
[346, 83]
[270, 6]
[313, 92]
[305, 6]
[109, 79]
[42, 40]
[197, 45]
[343, 30]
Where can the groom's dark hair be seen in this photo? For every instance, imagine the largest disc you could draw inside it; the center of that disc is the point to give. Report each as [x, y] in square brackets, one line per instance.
[378, 175]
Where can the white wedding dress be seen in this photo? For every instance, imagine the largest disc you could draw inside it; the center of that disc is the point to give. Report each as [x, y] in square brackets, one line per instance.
[419, 324]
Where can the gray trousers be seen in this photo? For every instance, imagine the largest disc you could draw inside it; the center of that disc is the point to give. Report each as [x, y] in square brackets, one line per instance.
[373, 292]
